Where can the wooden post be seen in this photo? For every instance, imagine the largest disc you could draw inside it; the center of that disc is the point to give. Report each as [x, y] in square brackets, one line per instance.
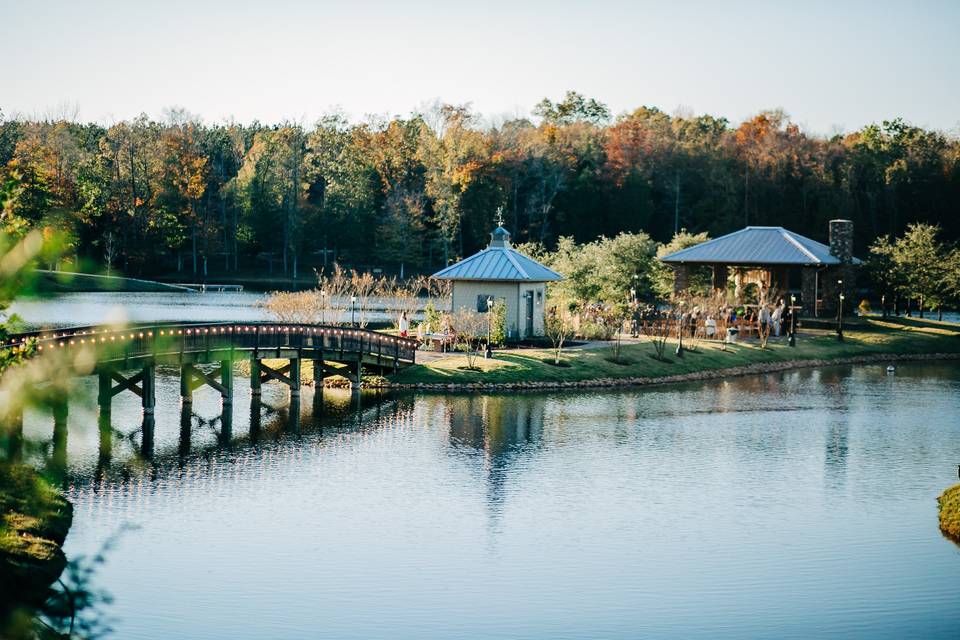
[104, 392]
[146, 435]
[60, 411]
[186, 388]
[255, 413]
[59, 458]
[226, 379]
[318, 373]
[358, 372]
[226, 424]
[149, 386]
[293, 417]
[255, 377]
[106, 434]
[294, 377]
[186, 420]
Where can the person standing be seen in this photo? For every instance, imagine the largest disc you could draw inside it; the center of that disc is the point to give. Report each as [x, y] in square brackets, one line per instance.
[404, 324]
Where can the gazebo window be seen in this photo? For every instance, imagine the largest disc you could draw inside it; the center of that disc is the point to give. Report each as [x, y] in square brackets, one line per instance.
[483, 303]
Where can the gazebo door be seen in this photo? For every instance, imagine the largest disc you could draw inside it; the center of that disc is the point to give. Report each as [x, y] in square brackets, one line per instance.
[529, 299]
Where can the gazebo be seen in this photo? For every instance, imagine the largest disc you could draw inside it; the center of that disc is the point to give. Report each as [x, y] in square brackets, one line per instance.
[502, 273]
[769, 257]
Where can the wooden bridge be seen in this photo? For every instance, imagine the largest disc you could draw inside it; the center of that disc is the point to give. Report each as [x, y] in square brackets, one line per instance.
[334, 350]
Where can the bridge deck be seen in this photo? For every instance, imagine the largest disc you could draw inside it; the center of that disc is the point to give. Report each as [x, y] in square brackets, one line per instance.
[193, 343]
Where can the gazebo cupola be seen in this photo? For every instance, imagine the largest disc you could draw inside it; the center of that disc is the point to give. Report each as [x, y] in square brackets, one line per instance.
[499, 238]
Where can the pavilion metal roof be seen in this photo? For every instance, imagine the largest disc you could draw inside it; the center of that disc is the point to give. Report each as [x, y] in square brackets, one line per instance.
[757, 246]
[499, 262]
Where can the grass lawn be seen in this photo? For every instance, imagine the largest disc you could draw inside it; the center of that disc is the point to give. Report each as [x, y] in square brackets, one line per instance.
[862, 337]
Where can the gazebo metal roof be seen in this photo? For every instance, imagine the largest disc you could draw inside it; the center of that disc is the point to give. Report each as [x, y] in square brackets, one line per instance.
[757, 246]
[499, 262]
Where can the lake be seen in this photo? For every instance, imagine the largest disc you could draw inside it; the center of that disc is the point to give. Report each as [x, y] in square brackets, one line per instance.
[799, 504]
[81, 309]
[78, 309]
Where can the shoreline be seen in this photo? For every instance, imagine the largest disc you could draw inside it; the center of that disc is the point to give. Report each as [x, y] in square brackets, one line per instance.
[642, 381]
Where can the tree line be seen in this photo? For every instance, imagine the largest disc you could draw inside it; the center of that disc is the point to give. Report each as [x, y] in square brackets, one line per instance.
[146, 197]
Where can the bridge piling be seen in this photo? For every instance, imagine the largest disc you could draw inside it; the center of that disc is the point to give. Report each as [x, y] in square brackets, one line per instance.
[256, 411]
[104, 392]
[146, 435]
[148, 388]
[226, 425]
[226, 380]
[294, 377]
[255, 377]
[186, 421]
[186, 388]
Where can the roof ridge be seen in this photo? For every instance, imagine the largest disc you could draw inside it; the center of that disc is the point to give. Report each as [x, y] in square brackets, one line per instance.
[508, 252]
[799, 245]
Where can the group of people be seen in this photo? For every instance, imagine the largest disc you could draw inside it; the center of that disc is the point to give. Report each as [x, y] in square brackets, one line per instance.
[776, 319]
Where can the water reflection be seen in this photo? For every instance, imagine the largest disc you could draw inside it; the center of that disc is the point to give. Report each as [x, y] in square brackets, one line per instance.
[792, 504]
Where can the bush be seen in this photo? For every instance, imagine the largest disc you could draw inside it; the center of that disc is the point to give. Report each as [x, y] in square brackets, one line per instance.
[864, 307]
[498, 322]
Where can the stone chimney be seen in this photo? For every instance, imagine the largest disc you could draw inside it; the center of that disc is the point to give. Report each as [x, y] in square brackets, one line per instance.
[841, 240]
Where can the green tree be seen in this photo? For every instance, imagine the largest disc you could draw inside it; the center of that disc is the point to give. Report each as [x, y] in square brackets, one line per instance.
[921, 264]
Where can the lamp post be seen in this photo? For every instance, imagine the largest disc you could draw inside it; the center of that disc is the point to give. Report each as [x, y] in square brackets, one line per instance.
[680, 331]
[840, 311]
[353, 310]
[793, 321]
[323, 306]
[489, 353]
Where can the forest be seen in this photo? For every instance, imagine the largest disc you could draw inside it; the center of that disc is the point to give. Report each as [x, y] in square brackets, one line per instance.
[411, 194]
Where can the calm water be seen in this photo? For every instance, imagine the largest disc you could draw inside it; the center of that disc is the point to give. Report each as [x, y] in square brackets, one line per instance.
[791, 505]
[76, 309]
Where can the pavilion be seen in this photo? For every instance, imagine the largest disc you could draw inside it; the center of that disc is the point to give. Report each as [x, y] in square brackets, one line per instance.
[771, 257]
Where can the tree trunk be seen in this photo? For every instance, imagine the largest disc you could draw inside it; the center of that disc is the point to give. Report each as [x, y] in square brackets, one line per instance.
[676, 204]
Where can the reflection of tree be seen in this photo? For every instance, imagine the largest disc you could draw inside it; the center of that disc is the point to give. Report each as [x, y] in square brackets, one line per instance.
[75, 609]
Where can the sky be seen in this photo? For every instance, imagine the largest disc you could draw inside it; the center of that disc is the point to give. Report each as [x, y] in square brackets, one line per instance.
[832, 66]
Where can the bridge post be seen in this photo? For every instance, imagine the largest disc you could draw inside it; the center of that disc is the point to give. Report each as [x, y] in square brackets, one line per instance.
[294, 375]
[186, 420]
[106, 436]
[104, 392]
[58, 461]
[226, 424]
[293, 415]
[146, 435]
[318, 373]
[255, 377]
[256, 411]
[226, 379]
[149, 387]
[60, 411]
[186, 388]
[358, 372]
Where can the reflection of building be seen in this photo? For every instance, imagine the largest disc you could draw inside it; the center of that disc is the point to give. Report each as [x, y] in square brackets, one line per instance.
[502, 273]
[504, 428]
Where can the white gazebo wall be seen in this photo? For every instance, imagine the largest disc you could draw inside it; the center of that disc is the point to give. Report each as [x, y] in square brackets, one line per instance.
[467, 292]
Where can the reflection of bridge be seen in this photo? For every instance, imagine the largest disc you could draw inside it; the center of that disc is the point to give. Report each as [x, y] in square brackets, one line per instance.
[333, 350]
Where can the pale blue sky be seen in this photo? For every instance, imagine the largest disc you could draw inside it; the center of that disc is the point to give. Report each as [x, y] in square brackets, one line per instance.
[830, 65]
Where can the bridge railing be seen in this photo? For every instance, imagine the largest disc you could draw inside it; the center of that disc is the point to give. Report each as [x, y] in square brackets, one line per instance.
[165, 339]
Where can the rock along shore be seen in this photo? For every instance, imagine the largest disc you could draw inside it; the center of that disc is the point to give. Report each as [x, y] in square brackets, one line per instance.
[708, 374]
